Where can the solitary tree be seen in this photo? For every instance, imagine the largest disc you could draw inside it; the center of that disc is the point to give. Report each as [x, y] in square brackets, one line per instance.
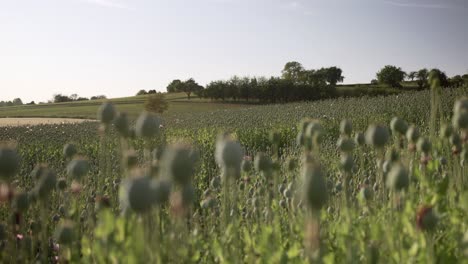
[156, 103]
[141, 92]
[333, 75]
[412, 75]
[175, 86]
[391, 75]
[190, 86]
[422, 76]
[17, 101]
[293, 71]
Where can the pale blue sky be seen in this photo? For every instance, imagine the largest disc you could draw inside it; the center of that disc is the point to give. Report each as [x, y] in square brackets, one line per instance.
[116, 47]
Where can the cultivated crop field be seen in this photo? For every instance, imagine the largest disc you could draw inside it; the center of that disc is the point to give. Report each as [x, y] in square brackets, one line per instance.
[361, 180]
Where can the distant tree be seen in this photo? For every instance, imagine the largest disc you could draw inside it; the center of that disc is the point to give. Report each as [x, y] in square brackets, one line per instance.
[156, 103]
[151, 91]
[422, 76]
[190, 86]
[374, 82]
[59, 98]
[73, 97]
[412, 75]
[456, 81]
[98, 97]
[142, 92]
[391, 75]
[82, 99]
[438, 74]
[31, 103]
[17, 101]
[333, 75]
[293, 71]
[465, 79]
[175, 86]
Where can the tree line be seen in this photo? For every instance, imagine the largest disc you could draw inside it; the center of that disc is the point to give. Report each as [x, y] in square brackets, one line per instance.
[295, 84]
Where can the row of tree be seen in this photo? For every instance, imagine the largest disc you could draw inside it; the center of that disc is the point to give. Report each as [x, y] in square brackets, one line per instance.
[16, 101]
[296, 83]
[60, 98]
[394, 76]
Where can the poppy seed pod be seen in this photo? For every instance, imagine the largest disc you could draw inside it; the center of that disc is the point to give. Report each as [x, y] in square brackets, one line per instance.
[424, 145]
[246, 165]
[121, 124]
[398, 125]
[461, 105]
[460, 120]
[228, 153]
[147, 125]
[46, 184]
[21, 202]
[131, 159]
[137, 194]
[300, 139]
[157, 153]
[397, 178]
[106, 113]
[446, 130]
[177, 164]
[412, 134]
[69, 150]
[37, 171]
[455, 140]
[275, 137]
[393, 155]
[291, 164]
[161, 189]
[345, 145]
[347, 162]
[359, 139]
[315, 187]
[314, 131]
[78, 168]
[9, 162]
[377, 136]
[188, 195]
[215, 183]
[365, 193]
[65, 234]
[346, 127]
[426, 219]
[262, 162]
[62, 184]
[208, 203]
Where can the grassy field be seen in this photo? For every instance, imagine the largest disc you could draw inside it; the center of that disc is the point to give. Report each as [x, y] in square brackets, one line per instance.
[290, 183]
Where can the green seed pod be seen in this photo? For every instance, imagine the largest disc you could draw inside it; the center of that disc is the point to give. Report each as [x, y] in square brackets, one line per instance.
[228, 154]
[359, 139]
[147, 125]
[455, 140]
[78, 168]
[246, 165]
[157, 153]
[393, 155]
[399, 126]
[426, 219]
[46, 184]
[464, 244]
[106, 113]
[346, 127]
[291, 164]
[365, 193]
[38, 170]
[460, 120]
[424, 145]
[262, 162]
[188, 195]
[314, 132]
[21, 202]
[315, 192]
[446, 131]
[62, 184]
[300, 139]
[215, 183]
[131, 159]
[347, 162]
[412, 134]
[208, 203]
[345, 145]
[9, 162]
[137, 194]
[161, 189]
[69, 150]
[377, 136]
[397, 178]
[122, 125]
[65, 234]
[461, 105]
[177, 164]
[275, 137]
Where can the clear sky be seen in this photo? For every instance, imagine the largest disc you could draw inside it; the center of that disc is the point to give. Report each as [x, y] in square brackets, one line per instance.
[117, 47]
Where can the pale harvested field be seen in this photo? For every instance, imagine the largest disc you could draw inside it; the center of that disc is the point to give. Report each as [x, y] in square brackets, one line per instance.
[38, 121]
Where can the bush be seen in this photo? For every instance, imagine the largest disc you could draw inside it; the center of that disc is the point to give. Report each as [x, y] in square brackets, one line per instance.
[156, 103]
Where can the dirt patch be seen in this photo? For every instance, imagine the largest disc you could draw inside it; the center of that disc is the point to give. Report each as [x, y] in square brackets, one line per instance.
[39, 121]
